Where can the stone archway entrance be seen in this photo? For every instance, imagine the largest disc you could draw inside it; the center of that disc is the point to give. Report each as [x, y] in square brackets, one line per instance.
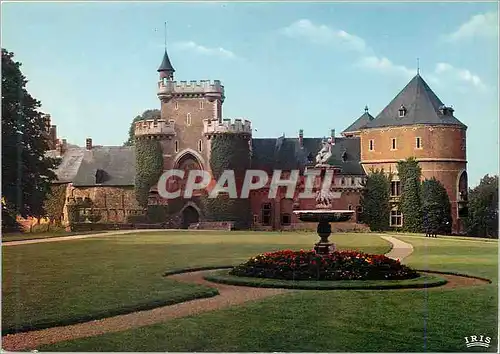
[189, 216]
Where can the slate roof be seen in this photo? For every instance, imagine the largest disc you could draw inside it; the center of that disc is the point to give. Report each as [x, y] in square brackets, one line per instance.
[360, 122]
[166, 65]
[286, 154]
[79, 166]
[422, 104]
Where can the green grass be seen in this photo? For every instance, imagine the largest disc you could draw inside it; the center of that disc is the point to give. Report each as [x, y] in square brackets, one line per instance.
[436, 320]
[47, 284]
[424, 280]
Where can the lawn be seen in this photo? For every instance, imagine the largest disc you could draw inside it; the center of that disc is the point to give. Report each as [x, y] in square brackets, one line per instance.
[436, 320]
[47, 284]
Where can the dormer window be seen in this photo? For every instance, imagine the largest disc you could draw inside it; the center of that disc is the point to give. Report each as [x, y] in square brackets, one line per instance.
[100, 176]
[402, 111]
[445, 111]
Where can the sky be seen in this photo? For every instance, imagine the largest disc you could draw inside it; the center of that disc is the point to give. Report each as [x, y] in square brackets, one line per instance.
[284, 66]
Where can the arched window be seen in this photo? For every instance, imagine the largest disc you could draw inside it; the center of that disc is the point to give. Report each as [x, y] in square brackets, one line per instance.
[176, 146]
[176, 105]
[200, 145]
[188, 119]
[201, 104]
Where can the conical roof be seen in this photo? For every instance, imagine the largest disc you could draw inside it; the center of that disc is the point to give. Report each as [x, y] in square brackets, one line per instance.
[166, 65]
[359, 123]
[422, 107]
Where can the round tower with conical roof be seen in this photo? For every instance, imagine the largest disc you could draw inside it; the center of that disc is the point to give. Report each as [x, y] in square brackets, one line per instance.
[417, 124]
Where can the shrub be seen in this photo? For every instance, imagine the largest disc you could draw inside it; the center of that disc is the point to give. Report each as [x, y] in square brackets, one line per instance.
[308, 265]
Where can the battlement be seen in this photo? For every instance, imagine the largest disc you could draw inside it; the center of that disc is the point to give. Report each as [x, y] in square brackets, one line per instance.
[154, 127]
[226, 126]
[166, 87]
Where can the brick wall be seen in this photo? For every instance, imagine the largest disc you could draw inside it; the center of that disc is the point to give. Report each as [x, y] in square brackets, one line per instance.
[442, 154]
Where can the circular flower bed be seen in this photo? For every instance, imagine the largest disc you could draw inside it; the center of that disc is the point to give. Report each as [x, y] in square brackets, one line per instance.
[308, 265]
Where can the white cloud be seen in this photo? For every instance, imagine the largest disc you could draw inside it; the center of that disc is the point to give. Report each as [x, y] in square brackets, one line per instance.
[481, 25]
[200, 49]
[385, 66]
[449, 72]
[322, 34]
[444, 74]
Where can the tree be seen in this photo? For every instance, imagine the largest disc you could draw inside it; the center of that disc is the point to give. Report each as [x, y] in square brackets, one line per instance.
[147, 114]
[27, 173]
[410, 204]
[483, 209]
[375, 201]
[436, 207]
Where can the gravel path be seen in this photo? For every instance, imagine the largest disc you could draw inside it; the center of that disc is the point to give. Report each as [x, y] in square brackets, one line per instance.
[229, 296]
[400, 250]
[101, 234]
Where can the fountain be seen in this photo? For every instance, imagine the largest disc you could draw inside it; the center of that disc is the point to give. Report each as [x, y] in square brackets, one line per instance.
[324, 214]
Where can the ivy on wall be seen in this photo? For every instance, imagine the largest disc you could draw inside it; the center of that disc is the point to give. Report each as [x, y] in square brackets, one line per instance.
[54, 203]
[229, 152]
[410, 203]
[223, 208]
[149, 167]
[82, 211]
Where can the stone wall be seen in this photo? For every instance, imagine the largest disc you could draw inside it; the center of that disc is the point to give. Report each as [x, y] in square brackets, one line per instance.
[116, 203]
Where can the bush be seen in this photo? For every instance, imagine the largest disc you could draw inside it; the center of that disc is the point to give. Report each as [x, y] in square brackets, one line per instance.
[308, 265]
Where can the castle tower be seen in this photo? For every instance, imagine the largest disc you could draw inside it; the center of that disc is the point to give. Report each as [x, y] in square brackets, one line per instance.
[185, 105]
[417, 124]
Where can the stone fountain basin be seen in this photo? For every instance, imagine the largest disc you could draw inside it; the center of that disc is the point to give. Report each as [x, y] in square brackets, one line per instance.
[324, 215]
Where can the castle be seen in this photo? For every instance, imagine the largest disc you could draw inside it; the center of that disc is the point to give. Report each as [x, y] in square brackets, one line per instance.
[415, 123]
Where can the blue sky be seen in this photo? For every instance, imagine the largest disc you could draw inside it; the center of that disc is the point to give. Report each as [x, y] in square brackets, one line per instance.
[285, 66]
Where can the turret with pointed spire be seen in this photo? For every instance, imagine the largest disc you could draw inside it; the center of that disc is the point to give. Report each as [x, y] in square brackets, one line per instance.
[166, 69]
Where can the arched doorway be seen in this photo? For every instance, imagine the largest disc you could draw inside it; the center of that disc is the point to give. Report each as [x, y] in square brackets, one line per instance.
[187, 163]
[189, 216]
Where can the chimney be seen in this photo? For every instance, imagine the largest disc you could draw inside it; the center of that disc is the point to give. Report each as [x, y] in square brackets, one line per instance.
[332, 135]
[301, 138]
[53, 137]
[62, 146]
[47, 122]
[88, 143]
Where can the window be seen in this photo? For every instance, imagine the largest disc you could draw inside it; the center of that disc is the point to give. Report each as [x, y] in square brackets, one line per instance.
[176, 146]
[396, 218]
[200, 145]
[418, 143]
[349, 207]
[393, 144]
[353, 181]
[395, 188]
[342, 181]
[286, 219]
[371, 145]
[176, 105]
[266, 214]
[255, 218]
[201, 104]
[188, 119]
[402, 111]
